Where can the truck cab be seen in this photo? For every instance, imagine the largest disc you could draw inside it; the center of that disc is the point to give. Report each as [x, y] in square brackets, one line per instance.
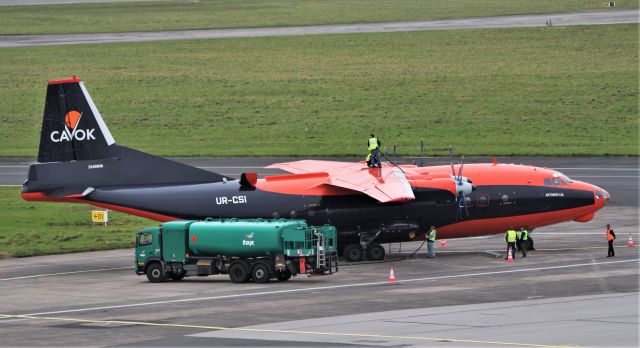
[148, 248]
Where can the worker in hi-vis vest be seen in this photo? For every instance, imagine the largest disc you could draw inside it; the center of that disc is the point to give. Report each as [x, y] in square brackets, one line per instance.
[510, 238]
[374, 147]
[431, 239]
[523, 241]
[610, 238]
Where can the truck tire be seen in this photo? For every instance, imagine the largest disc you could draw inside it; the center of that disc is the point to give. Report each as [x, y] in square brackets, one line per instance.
[155, 273]
[261, 272]
[353, 252]
[375, 252]
[284, 275]
[238, 273]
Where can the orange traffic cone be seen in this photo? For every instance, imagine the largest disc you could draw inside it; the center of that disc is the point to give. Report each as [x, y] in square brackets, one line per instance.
[392, 277]
[630, 241]
[509, 256]
[443, 243]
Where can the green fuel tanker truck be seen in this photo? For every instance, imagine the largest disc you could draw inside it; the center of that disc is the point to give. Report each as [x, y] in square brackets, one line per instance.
[244, 249]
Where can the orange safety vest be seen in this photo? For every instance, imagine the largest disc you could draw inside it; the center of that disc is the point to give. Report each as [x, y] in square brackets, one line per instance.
[609, 235]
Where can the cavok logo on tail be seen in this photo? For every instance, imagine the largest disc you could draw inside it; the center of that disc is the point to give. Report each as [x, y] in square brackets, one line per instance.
[71, 132]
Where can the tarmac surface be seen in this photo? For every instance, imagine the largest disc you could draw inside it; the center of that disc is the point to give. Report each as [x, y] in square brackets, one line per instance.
[566, 293]
[530, 20]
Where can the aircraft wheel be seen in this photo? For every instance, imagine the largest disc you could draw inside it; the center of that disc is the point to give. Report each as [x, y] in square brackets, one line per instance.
[375, 252]
[353, 252]
[261, 273]
[284, 275]
[155, 273]
[238, 273]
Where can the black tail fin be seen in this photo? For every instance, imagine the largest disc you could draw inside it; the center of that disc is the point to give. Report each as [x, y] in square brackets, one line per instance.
[77, 151]
[72, 127]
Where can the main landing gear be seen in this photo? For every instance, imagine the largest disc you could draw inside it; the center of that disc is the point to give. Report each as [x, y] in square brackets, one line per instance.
[366, 247]
[355, 252]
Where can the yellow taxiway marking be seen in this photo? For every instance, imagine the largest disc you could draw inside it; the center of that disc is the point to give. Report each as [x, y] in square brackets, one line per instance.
[300, 332]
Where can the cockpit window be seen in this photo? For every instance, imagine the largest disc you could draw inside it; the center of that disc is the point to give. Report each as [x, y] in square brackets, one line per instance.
[557, 180]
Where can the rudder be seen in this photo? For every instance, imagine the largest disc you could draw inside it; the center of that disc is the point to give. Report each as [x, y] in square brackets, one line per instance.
[72, 127]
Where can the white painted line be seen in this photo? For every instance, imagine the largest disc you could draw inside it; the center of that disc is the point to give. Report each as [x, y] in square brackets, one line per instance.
[572, 233]
[10, 185]
[65, 273]
[604, 176]
[601, 168]
[332, 287]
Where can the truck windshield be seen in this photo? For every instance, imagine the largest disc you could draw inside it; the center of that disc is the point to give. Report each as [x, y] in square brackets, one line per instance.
[145, 239]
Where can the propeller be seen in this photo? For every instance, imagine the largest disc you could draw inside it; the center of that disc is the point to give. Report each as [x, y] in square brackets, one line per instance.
[464, 186]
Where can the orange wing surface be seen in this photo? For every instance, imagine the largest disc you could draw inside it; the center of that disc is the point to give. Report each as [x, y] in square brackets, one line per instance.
[386, 184]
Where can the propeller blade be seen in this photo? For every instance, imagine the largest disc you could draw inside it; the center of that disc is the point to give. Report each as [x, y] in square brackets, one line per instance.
[453, 172]
[460, 169]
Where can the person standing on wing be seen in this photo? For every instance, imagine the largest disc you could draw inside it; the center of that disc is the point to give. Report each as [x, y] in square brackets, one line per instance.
[374, 147]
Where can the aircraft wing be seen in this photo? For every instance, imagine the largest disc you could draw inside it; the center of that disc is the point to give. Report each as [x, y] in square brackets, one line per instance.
[386, 184]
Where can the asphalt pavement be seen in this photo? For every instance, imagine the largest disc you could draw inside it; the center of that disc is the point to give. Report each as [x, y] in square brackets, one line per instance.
[515, 21]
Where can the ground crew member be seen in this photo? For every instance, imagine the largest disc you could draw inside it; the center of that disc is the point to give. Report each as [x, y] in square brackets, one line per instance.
[610, 238]
[523, 240]
[510, 238]
[374, 147]
[368, 160]
[431, 239]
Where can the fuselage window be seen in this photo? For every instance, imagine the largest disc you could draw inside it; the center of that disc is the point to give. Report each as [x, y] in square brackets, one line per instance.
[483, 200]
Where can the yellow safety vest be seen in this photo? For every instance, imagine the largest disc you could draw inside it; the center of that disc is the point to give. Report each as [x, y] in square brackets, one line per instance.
[524, 235]
[432, 236]
[511, 236]
[373, 144]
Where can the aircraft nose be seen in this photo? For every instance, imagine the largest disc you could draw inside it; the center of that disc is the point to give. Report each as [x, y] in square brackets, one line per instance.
[601, 194]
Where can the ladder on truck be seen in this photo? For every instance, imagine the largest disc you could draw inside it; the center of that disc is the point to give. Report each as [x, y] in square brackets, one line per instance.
[321, 257]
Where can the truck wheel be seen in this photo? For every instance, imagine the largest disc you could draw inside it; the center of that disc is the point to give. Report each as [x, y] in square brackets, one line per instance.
[261, 273]
[238, 273]
[155, 273]
[284, 275]
[353, 252]
[375, 252]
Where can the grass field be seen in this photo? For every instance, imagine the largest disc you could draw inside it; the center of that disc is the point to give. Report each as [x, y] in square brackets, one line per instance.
[194, 14]
[36, 228]
[558, 91]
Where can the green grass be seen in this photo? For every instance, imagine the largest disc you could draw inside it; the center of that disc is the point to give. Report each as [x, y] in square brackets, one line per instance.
[36, 228]
[557, 91]
[190, 14]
